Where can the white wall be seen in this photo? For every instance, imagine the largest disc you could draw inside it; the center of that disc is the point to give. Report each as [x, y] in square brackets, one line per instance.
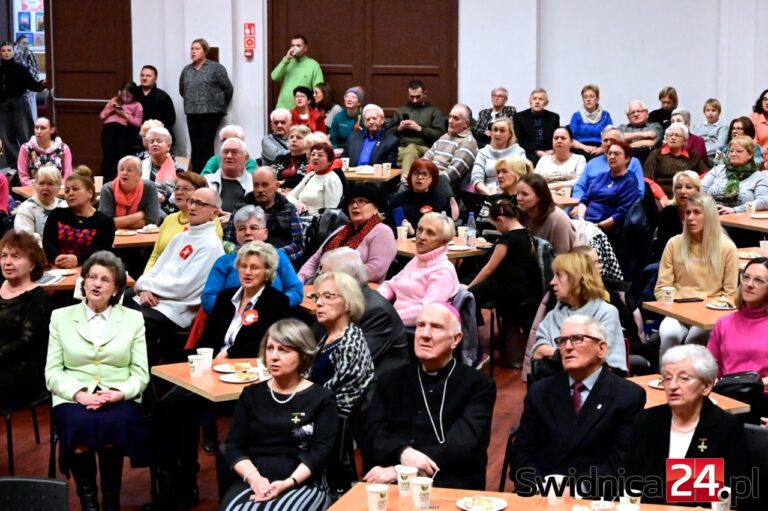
[162, 33]
[630, 49]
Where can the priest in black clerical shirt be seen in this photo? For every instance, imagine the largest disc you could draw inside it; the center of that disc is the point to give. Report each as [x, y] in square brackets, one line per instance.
[435, 414]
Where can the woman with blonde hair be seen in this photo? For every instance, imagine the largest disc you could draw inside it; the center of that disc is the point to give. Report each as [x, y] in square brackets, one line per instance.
[503, 144]
[579, 289]
[737, 180]
[685, 184]
[699, 263]
[33, 212]
[509, 170]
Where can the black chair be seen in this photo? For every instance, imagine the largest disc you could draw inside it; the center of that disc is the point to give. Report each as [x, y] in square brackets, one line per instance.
[31, 405]
[505, 468]
[33, 493]
[493, 328]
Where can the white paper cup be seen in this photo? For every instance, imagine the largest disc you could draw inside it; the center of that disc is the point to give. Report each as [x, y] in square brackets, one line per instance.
[552, 498]
[196, 365]
[404, 475]
[98, 181]
[377, 496]
[764, 248]
[402, 233]
[667, 294]
[345, 164]
[421, 492]
[462, 233]
[387, 167]
[723, 502]
[208, 354]
[628, 500]
[378, 169]
[566, 191]
[751, 207]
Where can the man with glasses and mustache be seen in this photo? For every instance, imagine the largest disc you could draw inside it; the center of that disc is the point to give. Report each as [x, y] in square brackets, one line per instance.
[580, 419]
[276, 143]
[169, 294]
[641, 134]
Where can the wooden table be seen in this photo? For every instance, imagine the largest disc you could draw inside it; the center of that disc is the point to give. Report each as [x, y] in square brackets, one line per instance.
[695, 313]
[563, 201]
[372, 178]
[309, 306]
[68, 282]
[137, 240]
[656, 397]
[743, 221]
[445, 499]
[208, 385]
[407, 248]
[28, 191]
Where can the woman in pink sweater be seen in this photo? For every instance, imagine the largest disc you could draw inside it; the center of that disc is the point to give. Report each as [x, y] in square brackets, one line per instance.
[427, 278]
[738, 340]
[122, 117]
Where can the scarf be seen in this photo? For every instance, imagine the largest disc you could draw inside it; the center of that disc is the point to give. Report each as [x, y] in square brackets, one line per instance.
[348, 237]
[591, 118]
[321, 172]
[167, 171]
[126, 203]
[735, 175]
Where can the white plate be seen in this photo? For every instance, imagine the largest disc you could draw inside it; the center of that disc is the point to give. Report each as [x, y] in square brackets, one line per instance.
[125, 232]
[496, 502]
[234, 378]
[719, 307]
[459, 247]
[226, 368]
[656, 384]
[365, 172]
[748, 254]
[759, 216]
[61, 272]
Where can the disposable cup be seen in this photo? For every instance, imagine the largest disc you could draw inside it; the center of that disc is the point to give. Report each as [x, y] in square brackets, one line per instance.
[557, 481]
[764, 248]
[462, 232]
[402, 233]
[378, 169]
[387, 167]
[196, 365]
[344, 163]
[208, 354]
[421, 492]
[377, 496]
[404, 475]
[667, 294]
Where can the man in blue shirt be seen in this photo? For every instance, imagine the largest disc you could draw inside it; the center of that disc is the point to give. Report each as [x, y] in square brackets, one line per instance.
[599, 165]
[374, 145]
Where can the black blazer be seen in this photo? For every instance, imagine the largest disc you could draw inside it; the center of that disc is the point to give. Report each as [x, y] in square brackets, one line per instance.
[551, 439]
[384, 152]
[722, 435]
[525, 131]
[272, 306]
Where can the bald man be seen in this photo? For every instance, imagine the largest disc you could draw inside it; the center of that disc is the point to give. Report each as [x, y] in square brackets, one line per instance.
[434, 414]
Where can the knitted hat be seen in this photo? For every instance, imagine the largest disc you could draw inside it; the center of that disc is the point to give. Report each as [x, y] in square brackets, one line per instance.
[357, 91]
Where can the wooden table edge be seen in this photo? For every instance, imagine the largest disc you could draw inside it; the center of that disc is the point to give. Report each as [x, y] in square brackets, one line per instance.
[676, 315]
[157, 371]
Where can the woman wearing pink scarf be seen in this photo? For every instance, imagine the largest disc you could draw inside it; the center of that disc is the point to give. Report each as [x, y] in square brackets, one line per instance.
[160, 167]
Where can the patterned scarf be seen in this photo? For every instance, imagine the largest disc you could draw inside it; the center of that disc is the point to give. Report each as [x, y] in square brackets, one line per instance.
[349, 237]
[734, 175]
[591, 117]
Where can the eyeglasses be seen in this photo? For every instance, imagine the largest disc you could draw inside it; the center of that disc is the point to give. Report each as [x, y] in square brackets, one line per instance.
[635, 112]
[183, 189]
[683, 379]
[359, 202]
[575, 339]
[675, 135]
[757, 282]
[326, 297]
[421, 175]
[200, 204]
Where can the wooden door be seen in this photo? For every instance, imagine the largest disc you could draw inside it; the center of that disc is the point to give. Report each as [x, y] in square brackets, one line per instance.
[379, 44]
[89, 57]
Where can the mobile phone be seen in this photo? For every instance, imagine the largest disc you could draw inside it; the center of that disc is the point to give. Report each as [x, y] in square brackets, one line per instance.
[687, 300]
[406, 117]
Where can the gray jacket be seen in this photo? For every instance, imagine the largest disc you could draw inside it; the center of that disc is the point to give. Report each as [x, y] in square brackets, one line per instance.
[206, 90]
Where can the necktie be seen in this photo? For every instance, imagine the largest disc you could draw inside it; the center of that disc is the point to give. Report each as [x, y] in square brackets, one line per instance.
[576, 396]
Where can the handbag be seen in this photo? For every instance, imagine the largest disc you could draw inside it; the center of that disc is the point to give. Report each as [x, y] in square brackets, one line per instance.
[746, 386]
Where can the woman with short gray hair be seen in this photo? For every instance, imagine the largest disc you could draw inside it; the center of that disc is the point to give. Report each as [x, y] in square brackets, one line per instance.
[690, 424]
[662, 164]
[694, 142]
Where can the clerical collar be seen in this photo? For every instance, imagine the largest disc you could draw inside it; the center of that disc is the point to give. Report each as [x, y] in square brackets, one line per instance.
[440, 373]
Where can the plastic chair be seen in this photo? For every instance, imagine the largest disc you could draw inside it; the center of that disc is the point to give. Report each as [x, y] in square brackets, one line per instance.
[33, 493]
[32, 405]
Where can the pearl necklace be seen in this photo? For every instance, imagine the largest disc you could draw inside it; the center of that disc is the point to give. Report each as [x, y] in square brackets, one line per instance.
[442, 404]
[274, 397]
[678, 429]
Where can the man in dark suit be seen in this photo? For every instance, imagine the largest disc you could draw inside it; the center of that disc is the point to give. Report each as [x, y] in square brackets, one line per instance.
[535, 126]
[384, 330]
[374, 145]
[579, 420]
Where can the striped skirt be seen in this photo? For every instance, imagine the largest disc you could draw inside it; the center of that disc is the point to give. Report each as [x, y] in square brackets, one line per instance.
[303, 498]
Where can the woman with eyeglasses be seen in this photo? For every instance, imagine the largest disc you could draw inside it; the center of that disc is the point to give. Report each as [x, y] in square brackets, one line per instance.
[319, 189]
[73, 233]
[740, 126]
[422, 196]
[738, 340]
[365, 232]
[186, 183]
[343, 363]
[699, 263]
[662, 164]
[689, 425]
[579, 289]
[160, 167]
[737, 181]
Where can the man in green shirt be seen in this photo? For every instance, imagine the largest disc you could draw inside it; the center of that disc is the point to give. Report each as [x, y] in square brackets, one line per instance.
[296, 69]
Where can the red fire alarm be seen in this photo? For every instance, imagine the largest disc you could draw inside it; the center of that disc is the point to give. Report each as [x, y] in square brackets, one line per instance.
[249, 39]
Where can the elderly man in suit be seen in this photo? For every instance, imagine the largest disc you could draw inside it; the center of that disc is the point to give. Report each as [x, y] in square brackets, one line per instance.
[535, 126]
[374, 145]
[579, 420]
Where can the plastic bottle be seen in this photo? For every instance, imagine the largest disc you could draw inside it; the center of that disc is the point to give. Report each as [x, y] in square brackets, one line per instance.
[471, 230]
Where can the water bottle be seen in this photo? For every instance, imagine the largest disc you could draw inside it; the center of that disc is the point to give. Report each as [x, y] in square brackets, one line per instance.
[471, 230]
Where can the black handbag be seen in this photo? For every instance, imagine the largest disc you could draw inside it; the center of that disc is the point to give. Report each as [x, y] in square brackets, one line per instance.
[746, 386]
